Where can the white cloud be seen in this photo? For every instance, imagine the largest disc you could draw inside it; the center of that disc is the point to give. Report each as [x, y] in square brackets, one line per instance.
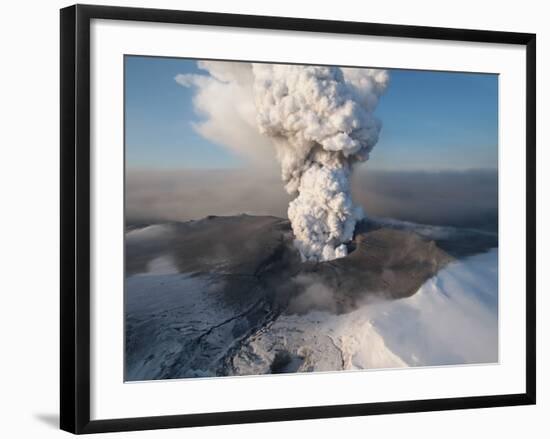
[225, 101]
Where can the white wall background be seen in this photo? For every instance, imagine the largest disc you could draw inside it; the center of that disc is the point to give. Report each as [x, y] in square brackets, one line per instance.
[29, 249]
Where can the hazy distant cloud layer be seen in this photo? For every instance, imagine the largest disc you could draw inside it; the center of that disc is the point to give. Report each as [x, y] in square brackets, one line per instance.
[183, 195]
[468, 199]
[457, 198]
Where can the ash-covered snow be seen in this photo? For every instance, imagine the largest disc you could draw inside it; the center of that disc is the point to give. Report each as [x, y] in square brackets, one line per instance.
[183, 325]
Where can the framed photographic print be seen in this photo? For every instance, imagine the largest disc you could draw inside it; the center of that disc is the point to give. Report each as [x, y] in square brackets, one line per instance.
[267, 218]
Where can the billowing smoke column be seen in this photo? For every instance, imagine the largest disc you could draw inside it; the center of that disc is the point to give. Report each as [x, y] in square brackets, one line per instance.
[321, 121]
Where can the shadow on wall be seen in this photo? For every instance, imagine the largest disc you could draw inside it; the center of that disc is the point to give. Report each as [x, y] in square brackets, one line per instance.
[49, 419]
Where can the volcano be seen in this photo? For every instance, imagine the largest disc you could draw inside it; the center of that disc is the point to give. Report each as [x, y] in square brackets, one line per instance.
[225, 296]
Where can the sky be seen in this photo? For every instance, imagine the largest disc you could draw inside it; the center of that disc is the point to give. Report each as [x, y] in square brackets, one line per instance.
[432, 121]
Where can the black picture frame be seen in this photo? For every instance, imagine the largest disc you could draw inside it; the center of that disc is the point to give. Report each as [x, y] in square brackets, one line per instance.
[75, 217]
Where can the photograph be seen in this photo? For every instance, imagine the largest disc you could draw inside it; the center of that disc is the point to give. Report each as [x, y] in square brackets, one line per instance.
[295, 218]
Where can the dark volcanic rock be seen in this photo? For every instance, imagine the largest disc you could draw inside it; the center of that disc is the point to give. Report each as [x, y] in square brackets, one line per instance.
[386, 262]
[241, 244]
[458, 242]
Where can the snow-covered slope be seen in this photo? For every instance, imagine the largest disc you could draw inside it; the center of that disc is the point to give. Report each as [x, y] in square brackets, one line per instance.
[452, 319]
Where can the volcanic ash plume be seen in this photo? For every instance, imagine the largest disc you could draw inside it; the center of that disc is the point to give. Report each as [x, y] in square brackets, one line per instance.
[321, 121]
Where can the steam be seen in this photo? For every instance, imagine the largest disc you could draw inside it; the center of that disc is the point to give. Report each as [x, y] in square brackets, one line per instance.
[321, 122]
